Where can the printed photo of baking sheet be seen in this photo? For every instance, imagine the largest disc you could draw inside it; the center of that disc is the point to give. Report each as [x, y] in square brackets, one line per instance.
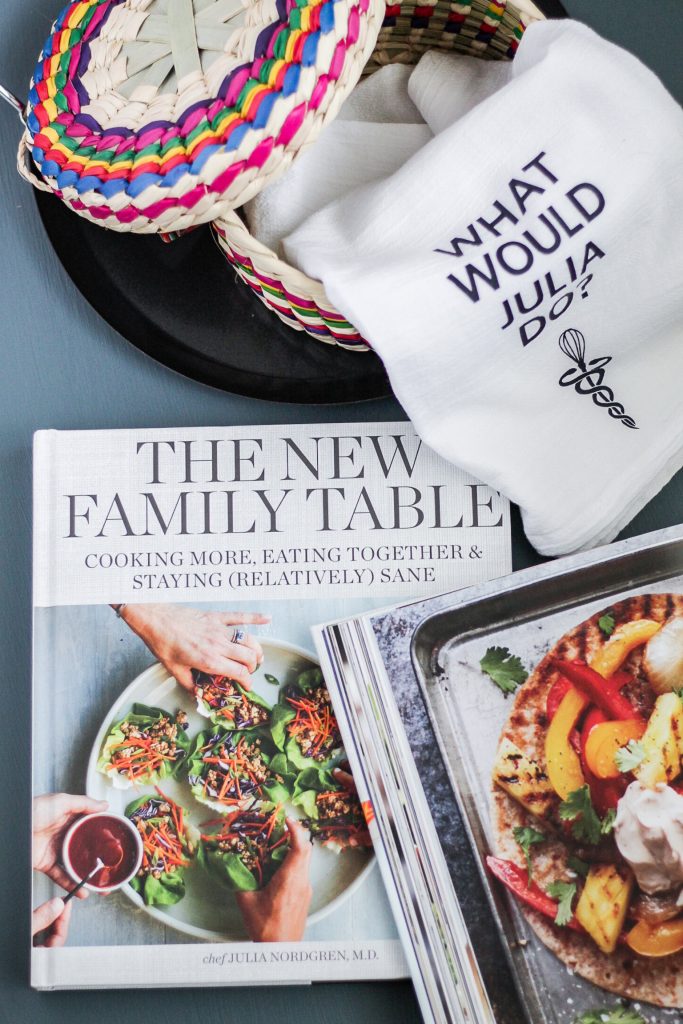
[528, 614]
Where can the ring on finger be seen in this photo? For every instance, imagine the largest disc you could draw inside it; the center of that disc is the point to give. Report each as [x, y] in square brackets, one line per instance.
[239, 635]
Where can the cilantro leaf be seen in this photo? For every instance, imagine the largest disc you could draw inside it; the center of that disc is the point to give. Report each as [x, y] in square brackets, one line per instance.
[579, 809]
[606, 624]
[616, 1015]
[526, 838]
[564, 892]
[504, 668]
[607, 823]
[629, 757]
[579, 866]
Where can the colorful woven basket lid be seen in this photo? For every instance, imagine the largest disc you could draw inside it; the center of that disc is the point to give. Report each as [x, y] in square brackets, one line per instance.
[156, 115]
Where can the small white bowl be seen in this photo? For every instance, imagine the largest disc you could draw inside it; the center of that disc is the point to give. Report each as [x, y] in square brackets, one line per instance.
[66, 860]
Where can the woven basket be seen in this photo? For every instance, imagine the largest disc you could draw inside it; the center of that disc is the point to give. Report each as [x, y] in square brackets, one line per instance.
[157, 115]
[491, 31]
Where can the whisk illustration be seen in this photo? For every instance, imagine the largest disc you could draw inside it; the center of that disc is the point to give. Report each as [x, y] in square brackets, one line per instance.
[573, 344]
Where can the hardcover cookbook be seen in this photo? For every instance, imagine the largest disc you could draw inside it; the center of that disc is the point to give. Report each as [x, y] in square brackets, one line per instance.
[520, 743]
[188, 765]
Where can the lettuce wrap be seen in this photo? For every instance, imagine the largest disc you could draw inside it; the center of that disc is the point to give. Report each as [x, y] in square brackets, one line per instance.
[334, 814]
[145, 746]
[246, 851]
[228, 770]
[303, 723]
[228, 704]
[168, 846]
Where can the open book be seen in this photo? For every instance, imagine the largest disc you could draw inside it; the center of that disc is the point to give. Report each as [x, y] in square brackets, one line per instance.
[502, 822]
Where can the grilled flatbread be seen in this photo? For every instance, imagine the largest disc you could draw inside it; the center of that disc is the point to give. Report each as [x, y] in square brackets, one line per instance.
[658, 981]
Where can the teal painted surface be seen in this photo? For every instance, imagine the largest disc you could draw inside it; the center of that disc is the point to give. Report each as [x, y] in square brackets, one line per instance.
[61, 366]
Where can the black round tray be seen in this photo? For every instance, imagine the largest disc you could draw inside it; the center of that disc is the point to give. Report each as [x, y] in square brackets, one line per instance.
[181, 303]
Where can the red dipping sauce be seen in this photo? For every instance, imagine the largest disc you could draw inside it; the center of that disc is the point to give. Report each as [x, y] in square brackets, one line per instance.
[113, 839]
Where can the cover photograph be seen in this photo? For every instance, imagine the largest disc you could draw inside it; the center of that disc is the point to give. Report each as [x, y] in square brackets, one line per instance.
[188, 764]
[521, 744]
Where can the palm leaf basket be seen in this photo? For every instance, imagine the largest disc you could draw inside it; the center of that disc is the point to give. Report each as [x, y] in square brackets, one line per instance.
[154, 116]
[158, 115]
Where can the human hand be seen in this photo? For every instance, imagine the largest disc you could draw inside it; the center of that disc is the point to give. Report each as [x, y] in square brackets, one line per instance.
[52, 815]
[50, 923]
[278, 912]
[186, 638]
[344, 779]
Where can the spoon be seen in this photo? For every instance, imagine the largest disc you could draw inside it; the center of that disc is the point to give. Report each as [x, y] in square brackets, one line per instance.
[111, 851]
[99, 864]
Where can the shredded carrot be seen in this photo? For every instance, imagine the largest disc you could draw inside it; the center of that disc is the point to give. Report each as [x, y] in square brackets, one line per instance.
[312, 718]
[235, 767]
[162, 846]
[271, 824]
[224, 787]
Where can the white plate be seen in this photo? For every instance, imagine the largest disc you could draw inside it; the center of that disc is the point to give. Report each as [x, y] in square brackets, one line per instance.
[208, 911]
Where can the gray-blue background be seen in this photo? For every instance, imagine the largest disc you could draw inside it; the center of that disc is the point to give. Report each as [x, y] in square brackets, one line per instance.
[61, 366]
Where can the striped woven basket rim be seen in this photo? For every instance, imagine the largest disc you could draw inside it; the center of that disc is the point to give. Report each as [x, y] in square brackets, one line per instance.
[298, 300]
[156, 161]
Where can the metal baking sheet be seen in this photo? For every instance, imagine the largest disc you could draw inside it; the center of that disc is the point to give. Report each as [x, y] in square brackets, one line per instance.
[527, 612]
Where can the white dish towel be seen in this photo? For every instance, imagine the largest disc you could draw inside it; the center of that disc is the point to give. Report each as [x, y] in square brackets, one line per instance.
[522, 279]
[345, 155]
[377, 129]
[383, 98]
[445, 86]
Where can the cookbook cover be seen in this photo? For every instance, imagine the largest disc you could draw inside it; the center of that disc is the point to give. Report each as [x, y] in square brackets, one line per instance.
[520, 742]
[187, 759]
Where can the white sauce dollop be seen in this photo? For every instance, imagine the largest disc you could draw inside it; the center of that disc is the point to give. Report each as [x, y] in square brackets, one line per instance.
[649, 834]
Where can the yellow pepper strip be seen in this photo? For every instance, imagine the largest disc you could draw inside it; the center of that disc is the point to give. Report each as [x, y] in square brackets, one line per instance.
[656, 939]
[604, 741]
[564, 766]
[623, 640]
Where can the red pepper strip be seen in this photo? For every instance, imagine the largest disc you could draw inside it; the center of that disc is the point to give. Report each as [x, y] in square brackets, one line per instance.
[619, 680]
[595, 716]
[592, 685]
[561, 685]
[516, 880]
